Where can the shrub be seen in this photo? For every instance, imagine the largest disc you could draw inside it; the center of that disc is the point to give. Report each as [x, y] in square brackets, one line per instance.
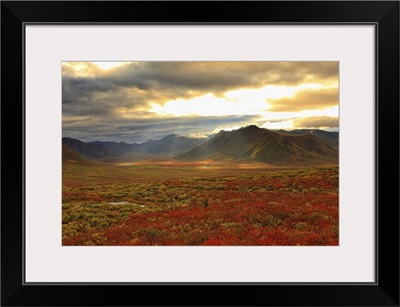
[299, 225]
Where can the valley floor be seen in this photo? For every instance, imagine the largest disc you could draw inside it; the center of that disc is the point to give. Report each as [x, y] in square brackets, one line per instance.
[204, 203]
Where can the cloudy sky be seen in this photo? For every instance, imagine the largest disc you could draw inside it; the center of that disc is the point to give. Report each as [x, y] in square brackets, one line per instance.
[137, 101]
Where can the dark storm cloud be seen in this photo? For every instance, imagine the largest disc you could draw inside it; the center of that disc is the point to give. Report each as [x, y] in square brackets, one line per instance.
[184, 76]
[187, 79]
[219, 76]
[84, 89]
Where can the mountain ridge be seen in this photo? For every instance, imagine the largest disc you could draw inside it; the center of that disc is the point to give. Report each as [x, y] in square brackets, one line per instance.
[249, 144]
[170, 145]
[329, 137]
[256, 144]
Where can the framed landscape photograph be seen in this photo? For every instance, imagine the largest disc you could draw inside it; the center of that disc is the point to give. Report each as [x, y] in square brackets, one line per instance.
[255, 153]
[196, 153]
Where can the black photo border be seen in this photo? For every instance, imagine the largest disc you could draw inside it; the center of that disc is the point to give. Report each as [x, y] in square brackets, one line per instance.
[384, 15]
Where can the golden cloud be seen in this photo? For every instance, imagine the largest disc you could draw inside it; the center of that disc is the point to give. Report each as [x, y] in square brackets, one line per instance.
[308, 99]
[317, 122]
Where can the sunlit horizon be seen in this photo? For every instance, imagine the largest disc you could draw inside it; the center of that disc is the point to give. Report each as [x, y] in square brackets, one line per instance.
[137, 101]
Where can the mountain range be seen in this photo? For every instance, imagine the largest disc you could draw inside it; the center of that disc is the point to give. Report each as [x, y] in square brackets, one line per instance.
[256, 144]
[329, 137]
[249, 143]
[169, 146]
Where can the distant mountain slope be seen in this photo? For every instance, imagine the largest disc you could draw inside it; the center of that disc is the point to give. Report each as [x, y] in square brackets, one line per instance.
[70, 156]
[84, 149]
[255, 144]
[329, 137]
[168, 146]
[113, 149]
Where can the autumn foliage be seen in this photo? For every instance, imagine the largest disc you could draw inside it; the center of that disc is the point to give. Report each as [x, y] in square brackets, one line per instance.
[281, 207]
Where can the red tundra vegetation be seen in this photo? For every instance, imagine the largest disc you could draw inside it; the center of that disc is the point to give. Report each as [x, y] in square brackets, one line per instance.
[147, 205]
